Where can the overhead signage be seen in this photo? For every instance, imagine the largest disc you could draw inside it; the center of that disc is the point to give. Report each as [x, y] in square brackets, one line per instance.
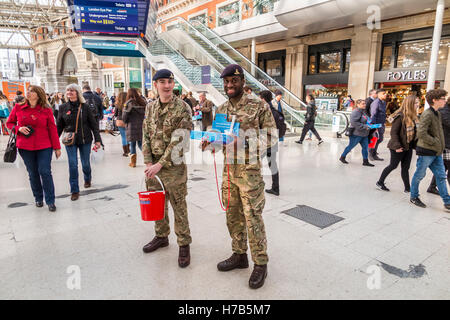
[117, 17]
[118, 48]
[408, 75]
[125, 18]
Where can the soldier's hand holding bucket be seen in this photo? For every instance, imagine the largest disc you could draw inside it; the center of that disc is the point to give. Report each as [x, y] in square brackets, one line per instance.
[152, 170]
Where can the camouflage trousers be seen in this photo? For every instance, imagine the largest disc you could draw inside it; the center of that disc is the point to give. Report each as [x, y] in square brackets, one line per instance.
[174, 180]
[244, 215]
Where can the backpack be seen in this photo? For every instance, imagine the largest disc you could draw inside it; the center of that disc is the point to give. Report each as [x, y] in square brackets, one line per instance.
[92, 107]
[279, 120]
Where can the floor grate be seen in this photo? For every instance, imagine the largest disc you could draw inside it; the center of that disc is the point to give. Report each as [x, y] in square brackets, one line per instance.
[313, 216]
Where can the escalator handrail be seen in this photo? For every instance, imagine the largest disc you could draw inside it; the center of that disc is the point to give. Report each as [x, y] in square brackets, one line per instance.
[234, 50]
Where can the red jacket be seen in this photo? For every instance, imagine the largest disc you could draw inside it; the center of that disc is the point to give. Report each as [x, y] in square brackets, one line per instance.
[45, 134]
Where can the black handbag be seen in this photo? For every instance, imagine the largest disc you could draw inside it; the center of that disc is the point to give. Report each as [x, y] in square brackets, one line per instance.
[11, 149]
[349, 132]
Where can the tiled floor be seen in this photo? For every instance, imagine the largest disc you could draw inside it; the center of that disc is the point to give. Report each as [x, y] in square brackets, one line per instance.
[100, 237]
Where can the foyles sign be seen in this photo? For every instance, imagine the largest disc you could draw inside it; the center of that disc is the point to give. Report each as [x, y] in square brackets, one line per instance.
[407, 75]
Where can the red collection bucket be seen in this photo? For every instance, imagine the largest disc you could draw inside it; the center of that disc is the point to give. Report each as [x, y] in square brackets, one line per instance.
[152, 204]
[373, 142]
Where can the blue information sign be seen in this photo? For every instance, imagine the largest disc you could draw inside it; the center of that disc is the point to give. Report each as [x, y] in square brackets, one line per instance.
[101, 16]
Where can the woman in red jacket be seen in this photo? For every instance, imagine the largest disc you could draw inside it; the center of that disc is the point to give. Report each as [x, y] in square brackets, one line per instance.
[37, 137]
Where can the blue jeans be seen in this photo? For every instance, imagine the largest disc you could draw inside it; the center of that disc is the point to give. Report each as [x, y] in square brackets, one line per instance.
[354, 140]
[436, 165]
[123, 134]
[39, 169]
[85, 153]
[133, 146]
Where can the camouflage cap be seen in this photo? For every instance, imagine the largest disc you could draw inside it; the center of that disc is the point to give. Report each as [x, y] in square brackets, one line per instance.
[163, 74]
[232, 70]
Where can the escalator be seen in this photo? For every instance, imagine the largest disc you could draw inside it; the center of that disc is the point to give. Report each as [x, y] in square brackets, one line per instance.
[186, 42]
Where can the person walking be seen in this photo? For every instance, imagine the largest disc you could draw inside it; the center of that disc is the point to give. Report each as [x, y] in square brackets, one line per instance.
[56, 102]
[359, 133]
[94, 101]
[246, 188]
[310, 118]
[165, 118]
[403, 141]
[133, 115]
[37, 138]
[271, 153]
[278, 97]
[378, 116]
[76, 116]
[445, 115]
[206, 107]
[120, 104]
[371, 98]
[429, 148]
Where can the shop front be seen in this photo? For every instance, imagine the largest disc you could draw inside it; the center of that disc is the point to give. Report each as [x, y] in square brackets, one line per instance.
[404, 63]
[274, 64]
[328, 71]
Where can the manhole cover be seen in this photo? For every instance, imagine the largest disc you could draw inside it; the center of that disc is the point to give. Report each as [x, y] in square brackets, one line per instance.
[313, 216]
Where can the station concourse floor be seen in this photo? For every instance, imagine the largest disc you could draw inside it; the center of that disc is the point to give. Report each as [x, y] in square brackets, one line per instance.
[385, 248]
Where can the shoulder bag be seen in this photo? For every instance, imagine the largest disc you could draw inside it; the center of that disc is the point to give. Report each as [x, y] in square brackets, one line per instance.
[68, 138]
[11, 149]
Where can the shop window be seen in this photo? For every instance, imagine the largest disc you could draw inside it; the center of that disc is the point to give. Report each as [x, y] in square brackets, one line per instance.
[228, 13]
[347, 60]
[417, 54]
[330, 62]
[312, 64]
[386, 60]
[274, 68]
[200, 18]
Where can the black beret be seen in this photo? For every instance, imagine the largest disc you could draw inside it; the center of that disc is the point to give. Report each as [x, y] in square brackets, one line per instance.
[232, 70]
[163, 74]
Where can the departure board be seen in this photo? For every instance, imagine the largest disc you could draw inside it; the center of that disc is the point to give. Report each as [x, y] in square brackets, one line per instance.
[125, 17]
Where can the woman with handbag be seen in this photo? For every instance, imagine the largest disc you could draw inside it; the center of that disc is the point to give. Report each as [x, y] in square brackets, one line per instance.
[403, 141]
[133, 115]
[358, 132]
[121, 98]
[37, 138]
[76, 124]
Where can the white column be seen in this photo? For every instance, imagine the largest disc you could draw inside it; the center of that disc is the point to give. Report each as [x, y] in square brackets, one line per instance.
[435, 47]
[253, 55]
[142, 77]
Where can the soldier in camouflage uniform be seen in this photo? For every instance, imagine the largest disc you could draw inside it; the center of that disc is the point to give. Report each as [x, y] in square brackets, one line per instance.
[166, 131]
[244, 216]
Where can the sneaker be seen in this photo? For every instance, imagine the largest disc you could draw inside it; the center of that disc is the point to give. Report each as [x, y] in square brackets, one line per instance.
[299, 142]
[447, 206]
[433, 190]
[39, 204]
[376, 158]
[273, 191]
[407, 191]
[308, 139]
[381, 186]
[51, 208]
[417, 202]
[320, 142]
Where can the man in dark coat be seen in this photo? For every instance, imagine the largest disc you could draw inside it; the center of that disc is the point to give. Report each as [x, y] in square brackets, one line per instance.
[94, 101]
[378, 116]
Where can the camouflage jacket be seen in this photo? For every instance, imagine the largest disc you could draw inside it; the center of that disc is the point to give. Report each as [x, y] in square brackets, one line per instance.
[166, 132]
[258, 129]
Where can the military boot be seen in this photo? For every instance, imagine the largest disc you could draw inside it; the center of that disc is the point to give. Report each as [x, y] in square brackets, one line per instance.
[155, 244]
[184, 256]
[258, 276]
[239, 261]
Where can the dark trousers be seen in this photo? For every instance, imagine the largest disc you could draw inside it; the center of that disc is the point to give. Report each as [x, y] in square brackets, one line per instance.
[380, 131]
[272, 160]
[447, 167]
[309, 126]
[39, 169]
[72, 154]
[399, 157]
